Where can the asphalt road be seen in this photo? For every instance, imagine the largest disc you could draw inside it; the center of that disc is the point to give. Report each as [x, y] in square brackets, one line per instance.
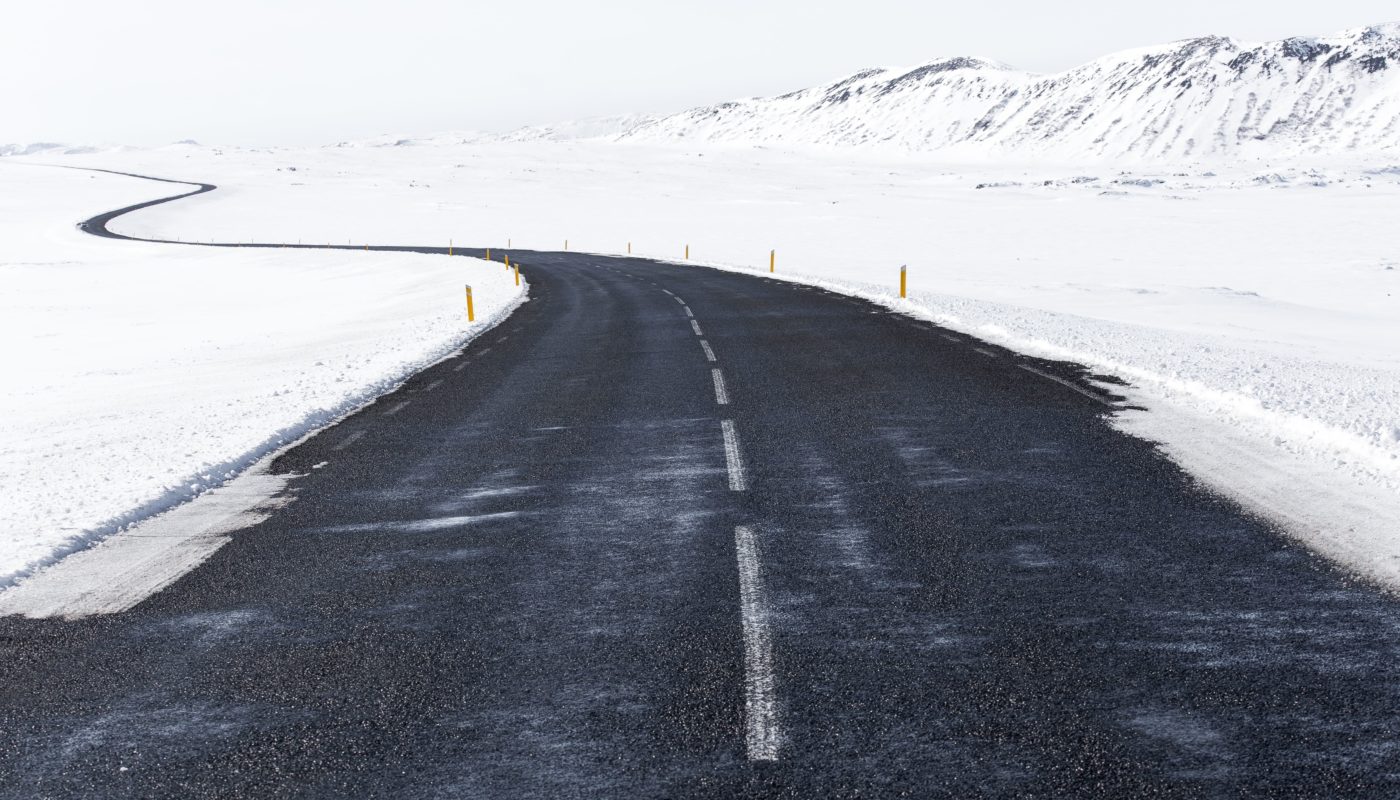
[893, 562]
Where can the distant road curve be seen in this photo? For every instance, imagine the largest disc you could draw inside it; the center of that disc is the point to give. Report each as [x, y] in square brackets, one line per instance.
[97, 226]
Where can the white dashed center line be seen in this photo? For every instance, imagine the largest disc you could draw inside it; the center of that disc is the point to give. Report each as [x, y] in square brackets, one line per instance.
[695, 326]
[721, 395]
[688, 312]
[760, 702]
[1066, 384]
[709, 354]
[349, 440]
[988, 353]
[733, 459]
[432, 386]
[397, 408]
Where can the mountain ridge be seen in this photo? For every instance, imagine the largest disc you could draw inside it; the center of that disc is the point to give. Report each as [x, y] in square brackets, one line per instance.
[1207, 96]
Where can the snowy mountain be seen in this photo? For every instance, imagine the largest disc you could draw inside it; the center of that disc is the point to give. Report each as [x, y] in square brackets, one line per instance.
[57, 149]
[40, 148]
[591, 128]
[1200, 97]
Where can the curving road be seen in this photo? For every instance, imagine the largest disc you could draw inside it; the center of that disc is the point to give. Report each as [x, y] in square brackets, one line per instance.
[676, 532]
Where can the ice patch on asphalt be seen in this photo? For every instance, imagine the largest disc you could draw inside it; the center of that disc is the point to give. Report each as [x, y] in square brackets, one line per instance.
[420, 525]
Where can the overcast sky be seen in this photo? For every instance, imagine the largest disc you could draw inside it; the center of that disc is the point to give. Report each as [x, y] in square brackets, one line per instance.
[314, 71]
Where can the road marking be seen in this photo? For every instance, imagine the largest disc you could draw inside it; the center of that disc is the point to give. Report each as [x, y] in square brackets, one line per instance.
[709, 354]
[678, 300]
[1066, 384]
[396, 409]
[987, 353]
[483, 351]
[760, 702]
[502, 339]
[460, 367]
[688, 312]
[349, 440]
[432, 386]
[950, 338]
[721, 395]
[695, 326]
[668, 291]
[732, 458]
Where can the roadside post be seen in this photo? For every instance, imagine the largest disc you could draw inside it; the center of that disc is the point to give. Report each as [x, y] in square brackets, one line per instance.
[471, 312]
[904, 280]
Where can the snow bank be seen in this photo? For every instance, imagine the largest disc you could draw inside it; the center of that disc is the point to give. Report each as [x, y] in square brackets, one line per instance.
[140, 375]
[1257, 302]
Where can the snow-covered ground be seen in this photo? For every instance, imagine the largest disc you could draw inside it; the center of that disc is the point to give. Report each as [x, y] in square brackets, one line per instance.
[138, 375]
[1252, 306]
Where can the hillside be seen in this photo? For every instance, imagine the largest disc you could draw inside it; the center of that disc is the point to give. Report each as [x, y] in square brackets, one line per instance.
[1202, 97]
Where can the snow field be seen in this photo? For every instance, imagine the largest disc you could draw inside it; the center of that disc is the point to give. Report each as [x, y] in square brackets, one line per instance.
[140, 375]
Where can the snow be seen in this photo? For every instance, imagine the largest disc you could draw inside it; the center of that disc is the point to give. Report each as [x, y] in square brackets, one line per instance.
[1253, 304]
[140, 375]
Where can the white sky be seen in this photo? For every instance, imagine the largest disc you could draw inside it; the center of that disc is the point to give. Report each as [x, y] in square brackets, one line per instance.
[314, 71]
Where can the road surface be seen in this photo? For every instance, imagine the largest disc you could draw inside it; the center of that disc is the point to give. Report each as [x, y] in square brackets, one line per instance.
[676, 532]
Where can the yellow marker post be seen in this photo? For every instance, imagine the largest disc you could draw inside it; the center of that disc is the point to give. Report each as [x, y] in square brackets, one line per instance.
[471, 313]
[508, 241]
[772, 259]
[629, 248]
[566, 244]
[449, 247]
[687, 252]
[517, 274]
[904, 281]
[488, 254]
[507, 260]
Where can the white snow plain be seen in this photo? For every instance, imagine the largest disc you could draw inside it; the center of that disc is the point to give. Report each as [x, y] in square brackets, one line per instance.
[140, 375]
[1251, 306]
